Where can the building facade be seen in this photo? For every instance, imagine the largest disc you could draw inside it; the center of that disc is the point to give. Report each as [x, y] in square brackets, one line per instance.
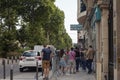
[100, 19]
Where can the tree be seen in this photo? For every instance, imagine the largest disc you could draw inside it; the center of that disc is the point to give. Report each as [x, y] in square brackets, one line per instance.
[39, 22]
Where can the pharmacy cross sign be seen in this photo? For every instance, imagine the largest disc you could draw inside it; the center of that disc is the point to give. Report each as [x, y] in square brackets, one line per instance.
[76, 27]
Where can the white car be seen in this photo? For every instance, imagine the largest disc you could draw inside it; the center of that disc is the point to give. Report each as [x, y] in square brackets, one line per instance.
[29, 59]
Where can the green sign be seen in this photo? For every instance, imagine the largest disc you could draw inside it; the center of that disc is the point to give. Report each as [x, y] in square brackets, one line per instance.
[98, 13]
[76, 27]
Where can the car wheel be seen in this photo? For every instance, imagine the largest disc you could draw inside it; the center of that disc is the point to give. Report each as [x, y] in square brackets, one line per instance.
[21, 69]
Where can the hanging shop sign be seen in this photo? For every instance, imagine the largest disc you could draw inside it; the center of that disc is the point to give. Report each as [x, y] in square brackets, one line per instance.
[76, 27]
[97, 14]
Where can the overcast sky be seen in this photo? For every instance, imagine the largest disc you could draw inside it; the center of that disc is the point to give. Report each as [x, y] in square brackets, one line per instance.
[70, 10]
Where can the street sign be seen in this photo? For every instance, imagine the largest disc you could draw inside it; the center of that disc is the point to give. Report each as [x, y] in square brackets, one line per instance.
[76, 27]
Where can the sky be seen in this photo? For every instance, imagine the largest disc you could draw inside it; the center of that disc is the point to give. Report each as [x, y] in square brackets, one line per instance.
[70, 10]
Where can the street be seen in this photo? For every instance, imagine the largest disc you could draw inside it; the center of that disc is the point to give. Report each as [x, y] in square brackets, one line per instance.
[30, 74]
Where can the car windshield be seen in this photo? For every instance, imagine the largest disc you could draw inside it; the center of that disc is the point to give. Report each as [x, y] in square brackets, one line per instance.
[30, 54]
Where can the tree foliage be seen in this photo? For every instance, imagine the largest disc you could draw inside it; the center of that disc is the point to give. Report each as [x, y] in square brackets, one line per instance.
[25, 23]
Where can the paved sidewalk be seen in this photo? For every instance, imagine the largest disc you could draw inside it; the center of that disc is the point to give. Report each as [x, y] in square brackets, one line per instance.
[82, 75]
[26, 76]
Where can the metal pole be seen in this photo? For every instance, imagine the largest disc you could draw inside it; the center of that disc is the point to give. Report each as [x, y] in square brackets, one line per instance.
[37, 70]
[4, 71]
[7, 60]
[12, 59]
[16, 59]
[11, 72]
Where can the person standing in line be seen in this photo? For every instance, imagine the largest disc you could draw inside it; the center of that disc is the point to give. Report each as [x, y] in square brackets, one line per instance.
[89, 58]
[46, 57]
[62, 62]
[67, 61]
[77, 58]
[72, 60]
[83, 58]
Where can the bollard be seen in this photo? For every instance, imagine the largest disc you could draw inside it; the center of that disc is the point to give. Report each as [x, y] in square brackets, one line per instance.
[12, 59]
[4, 71]
[11, 72]
[37, 70]
[7, 60]
[16, 59]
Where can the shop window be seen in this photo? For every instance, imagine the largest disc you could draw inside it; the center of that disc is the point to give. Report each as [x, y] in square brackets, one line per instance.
[83, 6]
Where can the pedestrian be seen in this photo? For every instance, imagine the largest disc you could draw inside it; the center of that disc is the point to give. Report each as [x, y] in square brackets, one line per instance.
[67, 61]
[62, 62]
[72, 60]
[77, 58]
[83, 58]
[46, 57]
[50, 60]
[89, 58]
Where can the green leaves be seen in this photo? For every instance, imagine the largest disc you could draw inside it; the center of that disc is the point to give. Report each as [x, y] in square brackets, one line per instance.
[39, 22]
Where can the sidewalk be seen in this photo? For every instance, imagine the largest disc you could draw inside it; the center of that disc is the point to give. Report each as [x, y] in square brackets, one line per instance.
[81, 75]
[27, 76]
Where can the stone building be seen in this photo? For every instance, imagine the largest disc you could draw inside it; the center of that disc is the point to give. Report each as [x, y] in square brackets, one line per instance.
[100, 19]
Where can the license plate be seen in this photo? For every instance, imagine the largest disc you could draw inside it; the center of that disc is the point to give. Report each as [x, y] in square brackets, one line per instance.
[29, 59]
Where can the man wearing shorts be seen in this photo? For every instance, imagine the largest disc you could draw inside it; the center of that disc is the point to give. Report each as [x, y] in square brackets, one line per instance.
[46, 57]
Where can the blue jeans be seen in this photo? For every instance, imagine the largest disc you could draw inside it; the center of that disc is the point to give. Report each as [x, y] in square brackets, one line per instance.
[83, 64]
[77, 63]
[89, 65]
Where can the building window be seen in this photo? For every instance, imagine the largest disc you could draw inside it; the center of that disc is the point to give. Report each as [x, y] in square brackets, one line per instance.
[83, 6]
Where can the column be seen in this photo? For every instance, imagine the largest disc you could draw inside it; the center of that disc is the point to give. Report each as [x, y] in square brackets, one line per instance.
[104, 36]
[117, 25]
[98, 54]
[114, 38]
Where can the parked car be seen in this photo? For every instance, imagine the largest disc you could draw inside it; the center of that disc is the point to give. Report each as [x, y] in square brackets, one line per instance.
[29, 59]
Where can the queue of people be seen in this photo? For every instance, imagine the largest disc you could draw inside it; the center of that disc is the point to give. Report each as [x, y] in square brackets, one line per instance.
[71, 60]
